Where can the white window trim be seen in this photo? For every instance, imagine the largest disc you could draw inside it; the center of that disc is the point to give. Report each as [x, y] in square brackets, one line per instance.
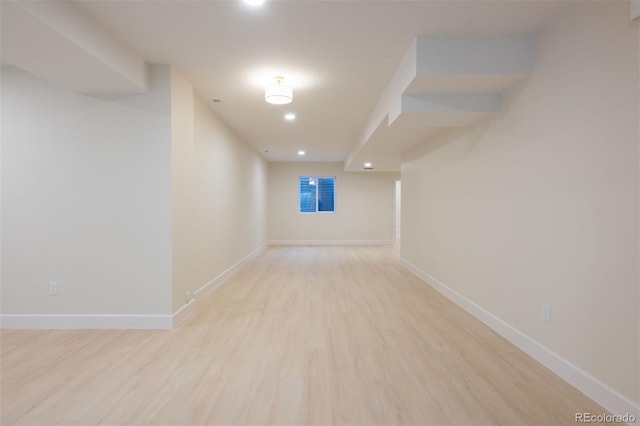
[334, 194]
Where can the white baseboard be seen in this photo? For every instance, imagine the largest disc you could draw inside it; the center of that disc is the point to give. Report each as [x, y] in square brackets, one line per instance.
[69, 322]
[141, 322]
[184, 312]
[208, 287]
[601, 393]
[329, 242]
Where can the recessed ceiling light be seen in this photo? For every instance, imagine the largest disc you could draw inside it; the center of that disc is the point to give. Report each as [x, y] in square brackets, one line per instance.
[368, 166]
[254, 2]
[289, 117]
[301, 153]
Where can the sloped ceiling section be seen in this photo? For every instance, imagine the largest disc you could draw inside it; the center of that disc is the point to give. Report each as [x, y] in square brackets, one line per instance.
[57, 42]
[441, 82]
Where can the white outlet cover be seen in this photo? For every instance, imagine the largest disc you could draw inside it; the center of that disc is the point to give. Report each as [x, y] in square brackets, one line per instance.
[546, 312]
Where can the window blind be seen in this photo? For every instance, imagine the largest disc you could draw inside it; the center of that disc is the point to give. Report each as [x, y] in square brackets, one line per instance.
[317, 194]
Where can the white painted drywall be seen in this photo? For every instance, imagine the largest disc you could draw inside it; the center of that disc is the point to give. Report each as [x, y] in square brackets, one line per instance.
[398, 205]
[184, 229]
[86, 199]
[364, 205]
[59, 43]
[126, 203]
[541, 204]
[219, 187]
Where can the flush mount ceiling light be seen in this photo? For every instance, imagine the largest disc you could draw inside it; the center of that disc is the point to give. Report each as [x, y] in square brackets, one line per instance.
[278, 94]
[368, 166]
[254, 2]
[301, 153]
[289, 117]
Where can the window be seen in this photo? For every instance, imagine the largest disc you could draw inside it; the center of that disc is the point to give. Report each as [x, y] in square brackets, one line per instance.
[317, 194]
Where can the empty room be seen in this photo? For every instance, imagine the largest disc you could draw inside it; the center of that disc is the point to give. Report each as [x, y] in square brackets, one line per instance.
[312, 212]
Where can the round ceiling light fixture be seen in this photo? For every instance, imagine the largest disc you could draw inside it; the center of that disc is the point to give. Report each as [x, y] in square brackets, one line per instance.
[278, 94]
[254, 2]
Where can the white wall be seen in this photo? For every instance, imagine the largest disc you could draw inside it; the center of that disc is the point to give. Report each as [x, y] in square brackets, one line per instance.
[541, 204]
[364, 205]
[398, 211]
[86, 199]
[127, 203]
[219, 194]
[184, 229]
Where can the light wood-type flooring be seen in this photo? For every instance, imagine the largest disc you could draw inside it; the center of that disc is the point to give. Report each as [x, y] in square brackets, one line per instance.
[300, 335]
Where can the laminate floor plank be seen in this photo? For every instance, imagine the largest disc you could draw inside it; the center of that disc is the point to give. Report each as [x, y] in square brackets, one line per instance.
[300, 335]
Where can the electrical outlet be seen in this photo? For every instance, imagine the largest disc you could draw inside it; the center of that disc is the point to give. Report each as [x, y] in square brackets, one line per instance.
[53, 288]
[546, 312]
